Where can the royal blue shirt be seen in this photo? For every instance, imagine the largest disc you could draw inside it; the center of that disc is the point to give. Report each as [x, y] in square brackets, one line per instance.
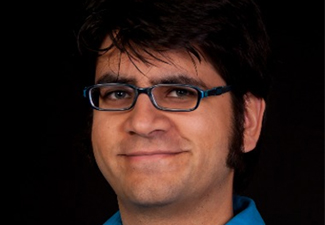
[245, 213]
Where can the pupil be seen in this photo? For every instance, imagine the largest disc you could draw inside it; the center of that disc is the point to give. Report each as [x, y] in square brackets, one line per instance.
[119, 94]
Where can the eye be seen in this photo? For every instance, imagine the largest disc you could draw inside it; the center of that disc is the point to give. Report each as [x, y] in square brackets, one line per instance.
[181, 92]
[115, 93]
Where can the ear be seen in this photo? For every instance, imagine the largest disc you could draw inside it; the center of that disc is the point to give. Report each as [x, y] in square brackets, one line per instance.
[254, 112]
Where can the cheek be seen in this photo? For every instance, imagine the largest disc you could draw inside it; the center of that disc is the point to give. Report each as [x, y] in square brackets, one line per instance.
[103, 134]
[210, 122]
[205, 132]
[209, 129]
[209, 138]
[104, 144]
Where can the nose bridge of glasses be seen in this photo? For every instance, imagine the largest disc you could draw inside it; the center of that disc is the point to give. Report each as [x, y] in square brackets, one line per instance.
[147, 91]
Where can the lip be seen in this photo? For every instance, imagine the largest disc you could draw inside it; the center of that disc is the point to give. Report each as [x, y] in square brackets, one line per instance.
[151, 155]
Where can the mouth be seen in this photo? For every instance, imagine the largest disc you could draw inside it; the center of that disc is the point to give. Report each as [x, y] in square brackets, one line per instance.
[151, 155]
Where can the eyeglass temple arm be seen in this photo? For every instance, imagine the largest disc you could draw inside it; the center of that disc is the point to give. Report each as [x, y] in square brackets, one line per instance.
[216, 91]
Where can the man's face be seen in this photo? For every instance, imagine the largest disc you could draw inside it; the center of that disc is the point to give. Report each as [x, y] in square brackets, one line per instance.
[152, 157]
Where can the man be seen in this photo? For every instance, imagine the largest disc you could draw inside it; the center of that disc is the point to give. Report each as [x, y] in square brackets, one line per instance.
[179, 100]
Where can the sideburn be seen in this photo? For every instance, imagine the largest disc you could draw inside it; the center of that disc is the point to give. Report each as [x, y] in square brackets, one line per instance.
[235, 159]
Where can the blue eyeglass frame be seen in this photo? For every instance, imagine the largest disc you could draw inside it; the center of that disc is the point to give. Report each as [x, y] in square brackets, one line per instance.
[148, 91]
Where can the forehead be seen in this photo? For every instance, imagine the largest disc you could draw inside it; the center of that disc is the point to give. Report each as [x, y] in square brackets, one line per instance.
[157, 67]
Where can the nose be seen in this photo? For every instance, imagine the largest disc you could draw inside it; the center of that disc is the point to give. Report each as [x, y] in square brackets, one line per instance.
[146, 120]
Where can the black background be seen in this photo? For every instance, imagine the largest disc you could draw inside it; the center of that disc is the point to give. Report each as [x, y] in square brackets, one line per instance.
[57, 185]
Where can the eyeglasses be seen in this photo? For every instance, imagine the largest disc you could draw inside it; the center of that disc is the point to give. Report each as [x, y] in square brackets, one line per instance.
[167, 97]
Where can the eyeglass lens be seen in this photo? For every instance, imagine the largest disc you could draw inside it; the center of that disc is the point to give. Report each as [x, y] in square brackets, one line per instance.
[116, 97]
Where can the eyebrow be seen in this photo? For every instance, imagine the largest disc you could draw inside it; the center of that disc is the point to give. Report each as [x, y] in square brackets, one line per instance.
[168, 79]
[182, 79]
[113, 78]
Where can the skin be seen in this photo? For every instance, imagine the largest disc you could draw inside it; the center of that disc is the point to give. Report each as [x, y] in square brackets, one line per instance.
[168, 167]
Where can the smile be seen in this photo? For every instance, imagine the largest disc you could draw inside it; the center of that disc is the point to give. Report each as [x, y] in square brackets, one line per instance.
[151, 155]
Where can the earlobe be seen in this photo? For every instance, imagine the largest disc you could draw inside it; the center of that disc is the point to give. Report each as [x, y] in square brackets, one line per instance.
[254, 112]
